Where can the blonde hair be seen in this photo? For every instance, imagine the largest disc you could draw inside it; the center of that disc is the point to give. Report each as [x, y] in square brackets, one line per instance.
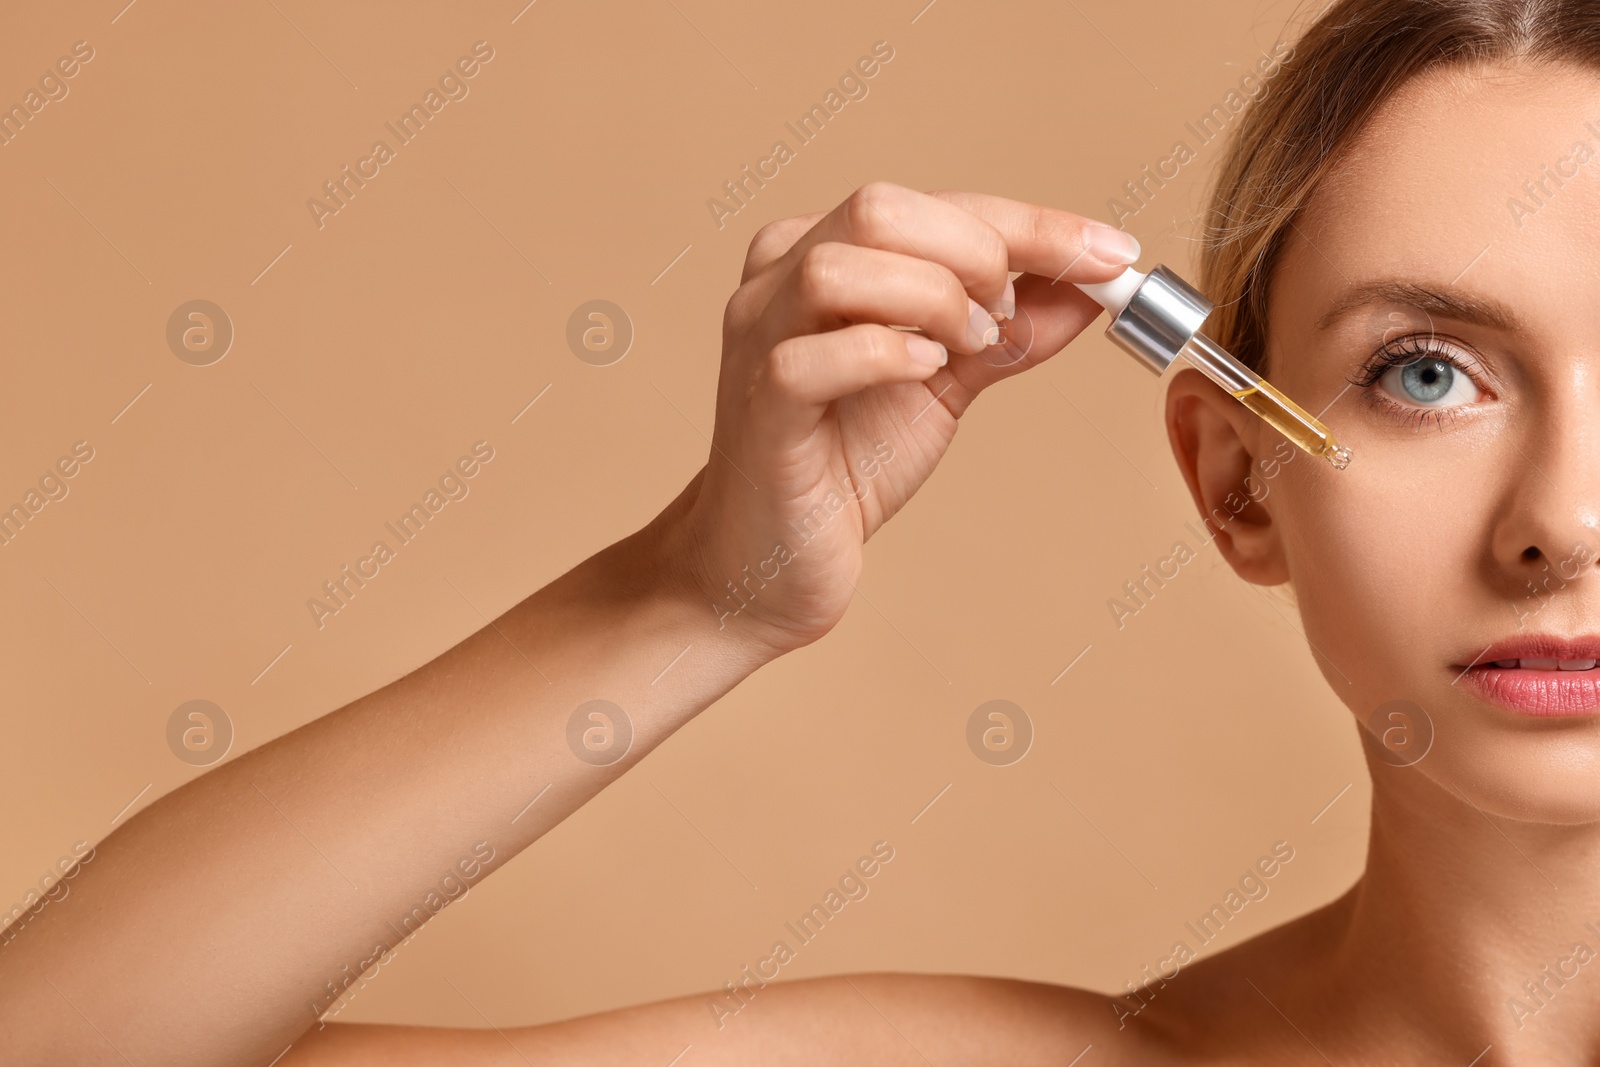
[1345, 66]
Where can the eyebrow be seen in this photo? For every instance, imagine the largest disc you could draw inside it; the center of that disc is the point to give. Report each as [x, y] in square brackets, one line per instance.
[1446, 302]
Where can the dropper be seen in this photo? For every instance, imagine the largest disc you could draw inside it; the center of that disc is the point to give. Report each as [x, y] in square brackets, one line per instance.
[1157, 318]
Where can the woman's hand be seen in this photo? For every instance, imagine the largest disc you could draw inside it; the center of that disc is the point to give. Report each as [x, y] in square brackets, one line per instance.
[357, 822]
[828, 420]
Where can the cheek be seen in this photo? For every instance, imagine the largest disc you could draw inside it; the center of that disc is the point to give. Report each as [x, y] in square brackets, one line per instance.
[1382, 561]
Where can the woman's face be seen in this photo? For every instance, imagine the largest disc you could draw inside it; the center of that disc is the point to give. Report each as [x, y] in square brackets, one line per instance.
[1467, 528]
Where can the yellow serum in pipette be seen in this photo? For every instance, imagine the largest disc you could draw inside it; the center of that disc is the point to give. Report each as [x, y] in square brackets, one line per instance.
[1294, 422]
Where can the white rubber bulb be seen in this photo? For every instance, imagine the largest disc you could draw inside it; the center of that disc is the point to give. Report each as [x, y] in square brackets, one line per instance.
[1115, 294]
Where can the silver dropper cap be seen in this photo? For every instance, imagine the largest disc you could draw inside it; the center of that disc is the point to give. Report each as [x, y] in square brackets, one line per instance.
[1161, 317]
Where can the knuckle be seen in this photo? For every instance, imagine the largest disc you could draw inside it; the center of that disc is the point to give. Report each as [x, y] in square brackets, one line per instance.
[871, 209]
[768, 232]
[880, 345]
[784, 367]
[948, 285]
[739, 309]
[882, 192]
[772, 238]
[1050, 230]
[953, 302]
[819, 271]
[995, 254]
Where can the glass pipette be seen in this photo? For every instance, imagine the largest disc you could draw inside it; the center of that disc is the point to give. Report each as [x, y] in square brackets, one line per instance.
[1157, 318]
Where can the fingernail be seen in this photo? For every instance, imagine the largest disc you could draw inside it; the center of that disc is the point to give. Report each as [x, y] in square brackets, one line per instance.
[1111, 245]
[981, 325]
[1006, 306]
[926, 351]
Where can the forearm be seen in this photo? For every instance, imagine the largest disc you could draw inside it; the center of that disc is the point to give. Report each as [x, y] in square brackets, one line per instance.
[357, 827]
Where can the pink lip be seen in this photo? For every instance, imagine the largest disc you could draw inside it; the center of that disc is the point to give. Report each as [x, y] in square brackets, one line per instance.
[1532, 691]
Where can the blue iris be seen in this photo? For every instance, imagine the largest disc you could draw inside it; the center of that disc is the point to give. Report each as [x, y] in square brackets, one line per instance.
[1427, 380]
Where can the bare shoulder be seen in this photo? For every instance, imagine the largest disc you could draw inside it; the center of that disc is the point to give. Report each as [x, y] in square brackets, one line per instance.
[971, 1019]
[1227, 1008]
[879, 1018]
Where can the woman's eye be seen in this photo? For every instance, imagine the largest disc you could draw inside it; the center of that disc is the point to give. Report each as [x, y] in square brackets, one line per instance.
[1429, 382]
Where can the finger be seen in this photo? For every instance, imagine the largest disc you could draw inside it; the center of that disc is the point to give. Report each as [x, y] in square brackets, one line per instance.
[835, 284]
[893, 218]
[1048, 317]
[805, 374]
[773, 240]
[1057, 245]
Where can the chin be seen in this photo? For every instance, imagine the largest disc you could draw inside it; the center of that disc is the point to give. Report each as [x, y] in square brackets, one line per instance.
[1545, 771]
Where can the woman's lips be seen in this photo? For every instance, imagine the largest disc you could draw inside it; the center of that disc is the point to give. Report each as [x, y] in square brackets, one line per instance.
[1538, 692]
[1538, 674]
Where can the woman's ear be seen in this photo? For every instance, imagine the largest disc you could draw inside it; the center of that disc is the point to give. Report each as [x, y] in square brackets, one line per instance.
[1215, 440]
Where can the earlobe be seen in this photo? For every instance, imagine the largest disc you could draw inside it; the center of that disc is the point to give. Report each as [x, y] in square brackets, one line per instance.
[1215, 441]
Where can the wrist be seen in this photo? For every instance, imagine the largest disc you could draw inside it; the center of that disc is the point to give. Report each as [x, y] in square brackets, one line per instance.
[662, 565]
[671, 557]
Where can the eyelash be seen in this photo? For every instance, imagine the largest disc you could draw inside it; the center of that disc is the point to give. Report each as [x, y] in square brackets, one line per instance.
[1407, 350]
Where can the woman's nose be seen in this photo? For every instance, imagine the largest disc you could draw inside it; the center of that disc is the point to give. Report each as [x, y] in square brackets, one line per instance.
[1551, 522]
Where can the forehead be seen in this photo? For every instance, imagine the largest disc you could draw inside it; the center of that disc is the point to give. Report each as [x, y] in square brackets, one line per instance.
[1492, 168]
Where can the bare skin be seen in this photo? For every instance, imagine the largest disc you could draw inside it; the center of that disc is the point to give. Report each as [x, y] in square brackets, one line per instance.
[353, 829]
[1483, 858]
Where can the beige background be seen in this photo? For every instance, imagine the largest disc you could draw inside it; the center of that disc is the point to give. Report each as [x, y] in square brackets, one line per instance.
[432, 309]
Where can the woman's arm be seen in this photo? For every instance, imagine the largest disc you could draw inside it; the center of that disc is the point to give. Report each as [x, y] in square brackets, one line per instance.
[221, 921]
[215, 925]
[886, 1020]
